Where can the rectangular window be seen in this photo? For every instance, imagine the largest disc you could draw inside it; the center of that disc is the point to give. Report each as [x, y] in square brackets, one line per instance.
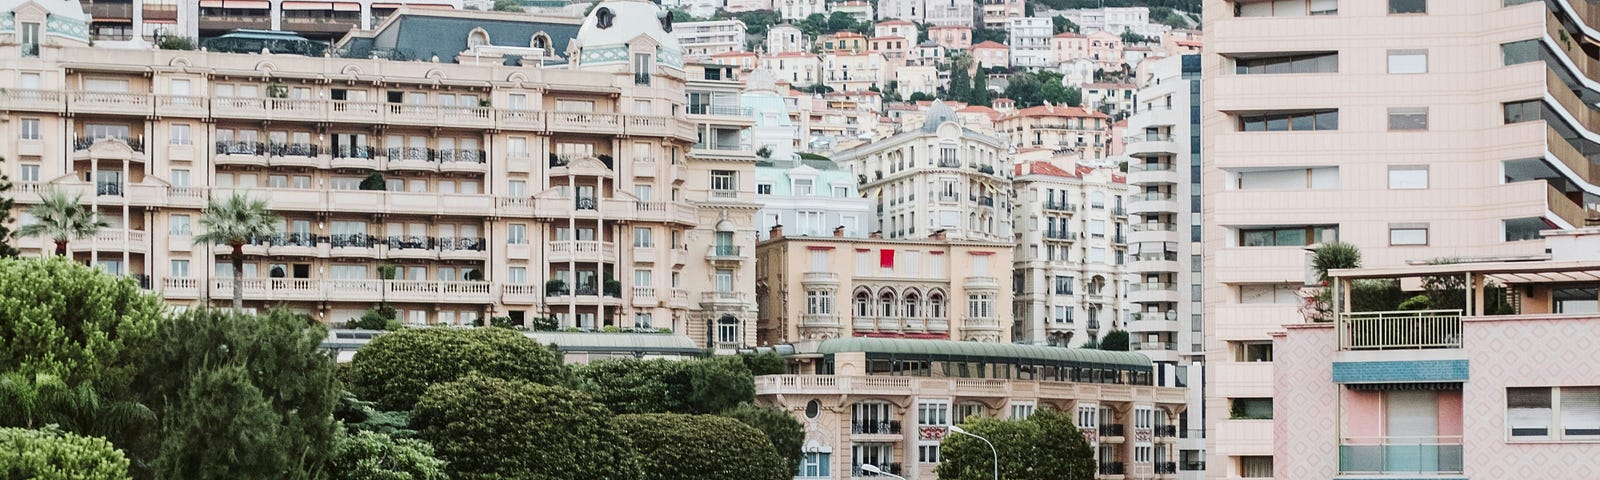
[1253, 352]
[1524, 111]
[180, 225]
[980, 305]
[642, 237]
[517, 275]
[30, 129]
[1255, 466]
[1063, 285]
[722, 180]
[1304, 63]
[1529, 412]
[517, 234]
[928, 453]
[764, 188]
[1291, 121]
[1408, 234]
[1408, 6]
[1408, 177]
[1516, 53]
[1251, 409]
[1288, 236]
[30, 172]
[180, 134]
[802, 186]
[815, 465]
[1408, 119]
[936, 414]
[724, 280]
[1021, 410]
[1580, 412]
[180, 269]
[1408, 61]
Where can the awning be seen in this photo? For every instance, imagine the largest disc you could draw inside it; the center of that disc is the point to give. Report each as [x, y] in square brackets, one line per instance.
[244, 4]
[307, 5]
[386, 5]
[346, 7]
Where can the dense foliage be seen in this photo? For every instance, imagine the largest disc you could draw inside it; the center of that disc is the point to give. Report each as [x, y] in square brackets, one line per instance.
[53, 455]
[7, 250]
[75, 322]
[765, 363]
[1046, 446]
[1115, 340]
[395, 369]
[1037, 87]
[786, 434]
[701, 447]
[375, 456]
[493, 428]
[704, 386]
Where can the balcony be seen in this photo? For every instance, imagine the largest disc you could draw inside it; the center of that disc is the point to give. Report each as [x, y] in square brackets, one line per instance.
[462, 160]
[358, 245]
[1152, 173]
[240, 153]
[581, 251]
[725, 253]
[295, 155]
[1400, 455]
[1152, 232]
[1152, 202]
[355, 157]
[463, 248]
[1059, 236]
[819, 320]
[679, 299]
[1154, 262]
[725, 299]
[189, 106]
[133, 241]
[820, 278]
[885, 427]
[1059, 206]
[29, 100]
[411, 246]
[1409, 330]
[418, 159]
[111, 103]
[584, 122]
[666, 212]
[1157, 292]
[982, 283]
[519, 294]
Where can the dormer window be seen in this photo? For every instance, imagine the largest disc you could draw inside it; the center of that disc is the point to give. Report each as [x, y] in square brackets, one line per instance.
[478, 38]
[603, 18]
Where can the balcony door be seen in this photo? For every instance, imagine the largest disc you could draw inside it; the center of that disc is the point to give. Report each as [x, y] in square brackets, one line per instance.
[1412, 428]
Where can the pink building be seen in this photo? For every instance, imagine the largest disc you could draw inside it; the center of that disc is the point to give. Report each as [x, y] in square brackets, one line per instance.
[1507, 386]
[1105, 48]
[991, 54]
[1068, 46]
[954, 37]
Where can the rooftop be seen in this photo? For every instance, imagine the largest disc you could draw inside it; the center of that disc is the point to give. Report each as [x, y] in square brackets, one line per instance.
[983, 352]
[989, 44]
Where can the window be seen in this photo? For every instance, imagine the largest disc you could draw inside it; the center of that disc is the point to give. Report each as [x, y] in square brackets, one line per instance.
[1408, 234]
[642, 237]
[933, 413]
[1516, 53]
[1287, 236]
[180, 269]
[802, 186]
[517, 234]
[1578, 299]
[966, 410]
[724, 278]
[1408, 177]
[180, 134]
[1097, 228]
[764, 188]
[980, 305]
[722, 180]
[180, 225]
[1410, 118]
[841, 192]
[928, 453]
[517, 275]
[1292, 121]
[1253, 352]
[1255, 466]
[1580, 411]
[1529, 412]
[1304, 63]
[30, 172]
[727, 329]
[1096, 255]
[815, 465]
[1251, 409]
[1408, 61]
[1021, 410]
[1142, 454]
[1524, 111]
[1408, 6]
[1064, 285]
[819, 302]
[30, 129]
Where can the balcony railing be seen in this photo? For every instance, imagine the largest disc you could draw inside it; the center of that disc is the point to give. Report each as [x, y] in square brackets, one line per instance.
[1111, 468]
[1154, 227]
[294, 149]
[1111, 430]
[1400, 455]
[410, 242]
[83, 143]
[1401, 330]
[475, 244]
[885, 427]
[1059, 206]
[719, 110]
[1166, 468]
[233, 147]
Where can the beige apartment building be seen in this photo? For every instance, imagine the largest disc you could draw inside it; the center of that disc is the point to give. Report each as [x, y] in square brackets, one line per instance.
[1072, 131]
[579, 190]
[890, 402]
[817, 288]
[1414, 129]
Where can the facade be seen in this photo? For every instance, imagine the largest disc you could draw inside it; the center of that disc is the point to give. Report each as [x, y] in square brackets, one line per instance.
[701, 40]
[1114, 98]
[737, 6]
[786, 38]
[1164, 239]
[142, 23]
[842, 42]
[861, 11]
[1328, 153]
[797, 68]
[1502, 386]
[953, 37]
[857, 409]
[996, 13]
[1029, 39]
[1072, 131]
[1116, 20]
[940, 177]
[832, 286]
[896, 28]
[797, 10]
[917, 78]
[500, 197]
[1070, 267]
[908, 10]
[991, 54]
[810, 198]
[854, 72]
[949, 13]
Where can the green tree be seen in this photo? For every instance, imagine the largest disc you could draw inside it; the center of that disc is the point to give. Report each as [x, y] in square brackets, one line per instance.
[980, 89]
[1333, 256]
[7, 250]
[359, 415]
[44, 399]
[919, 97]
[701, 447]
[786, 434]
[61, 218]
[765, 363]
[488, 428]
[239, 396]
[814, 25]
[1115, 340]
[1024, 88]
[73, 321]
[703, 386]
[395, 369]
[1062, 25]
[507, 6]
[375, 456]
[841, 22]
[960, 81]
[235, 222]
[757, 22]
[54, 455]
[678, 15]
[1046, 446]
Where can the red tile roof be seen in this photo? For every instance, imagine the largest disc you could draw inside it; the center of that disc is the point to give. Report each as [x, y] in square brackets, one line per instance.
[1068, 35]
[894, 22]
[1058, 111]
[989, 44]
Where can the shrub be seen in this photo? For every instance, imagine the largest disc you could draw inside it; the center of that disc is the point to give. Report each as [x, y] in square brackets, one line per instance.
[53, 455]
[75, 322]
[395, 369]
[369, 456]
[681, 447]
[786, 434]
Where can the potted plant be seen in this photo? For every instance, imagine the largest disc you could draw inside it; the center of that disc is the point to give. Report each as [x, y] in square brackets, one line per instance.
[277, 89]
[545, 324]
[473, 275]
[555, 287]
[374, 181]
[613, 288]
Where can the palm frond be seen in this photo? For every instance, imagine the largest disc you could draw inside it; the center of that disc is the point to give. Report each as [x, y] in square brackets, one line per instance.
[236, 220]
[61, 217]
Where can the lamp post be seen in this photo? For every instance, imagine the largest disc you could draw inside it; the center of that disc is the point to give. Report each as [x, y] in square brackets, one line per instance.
[870, 468]
[957, 429]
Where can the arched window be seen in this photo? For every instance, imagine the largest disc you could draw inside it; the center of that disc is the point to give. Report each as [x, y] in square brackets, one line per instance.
[863, 303]
[886, 303]
[477, 38]
[1097, 285]
[936, 305]
[913, 303]
[727, 329]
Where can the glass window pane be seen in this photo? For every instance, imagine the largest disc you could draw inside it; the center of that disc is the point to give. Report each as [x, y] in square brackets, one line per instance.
[1528, 411]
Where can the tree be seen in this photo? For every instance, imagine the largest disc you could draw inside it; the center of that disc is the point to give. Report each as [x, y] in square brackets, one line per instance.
[1062, 25]
[960, 81]
[1333, 256]
[1024, 88]
[53, 455]
[919, 97]
[375, 456]
[7, 250]
[507, 6]
[44, 399]
[374, 181]
[239, 396]
[704, 386]
[62, 218]
[786, 434]
[757, 22]
[700, 447]
[814, 25]
[358, 415]
[236, 222]
[395, 369]
[765, 363]
[72, 321]
[678, 15]
[1129, 38]
[841, 22]
[1046, 446]
[980, 90]
[1115, 340]
[492, 428]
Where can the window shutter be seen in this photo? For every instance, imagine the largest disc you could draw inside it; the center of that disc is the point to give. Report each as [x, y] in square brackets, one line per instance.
[1528, 411]
[1580, 411]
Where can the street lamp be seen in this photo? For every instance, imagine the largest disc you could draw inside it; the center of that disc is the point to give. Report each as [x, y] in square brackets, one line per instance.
[957, 429]
[870, 468]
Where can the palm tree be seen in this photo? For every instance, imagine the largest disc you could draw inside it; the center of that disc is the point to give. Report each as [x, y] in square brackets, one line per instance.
[234, 222]
[62, 218]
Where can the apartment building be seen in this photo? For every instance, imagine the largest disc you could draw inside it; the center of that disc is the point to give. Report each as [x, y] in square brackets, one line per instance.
[1072, 131]
[854, 70]
[1494, 380]
[1317, 132]
[996, 13]
[1029, 40]
[797, 10]
[939, 178]
[141, 23]
[1164, 240]
[949, 13]
[861, 11]
[1114, 98]
[701, 40]
[991, 54]
[1070, 269]
[798, 69]
[454, 191]
[908, 10]
[953, 37]
[889, 402]
[1116, 20]
[786, 38]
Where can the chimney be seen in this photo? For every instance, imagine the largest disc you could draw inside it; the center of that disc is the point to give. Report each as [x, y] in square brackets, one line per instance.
[938, 235]
[775, 233]
[838, 231]
[877, 234]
